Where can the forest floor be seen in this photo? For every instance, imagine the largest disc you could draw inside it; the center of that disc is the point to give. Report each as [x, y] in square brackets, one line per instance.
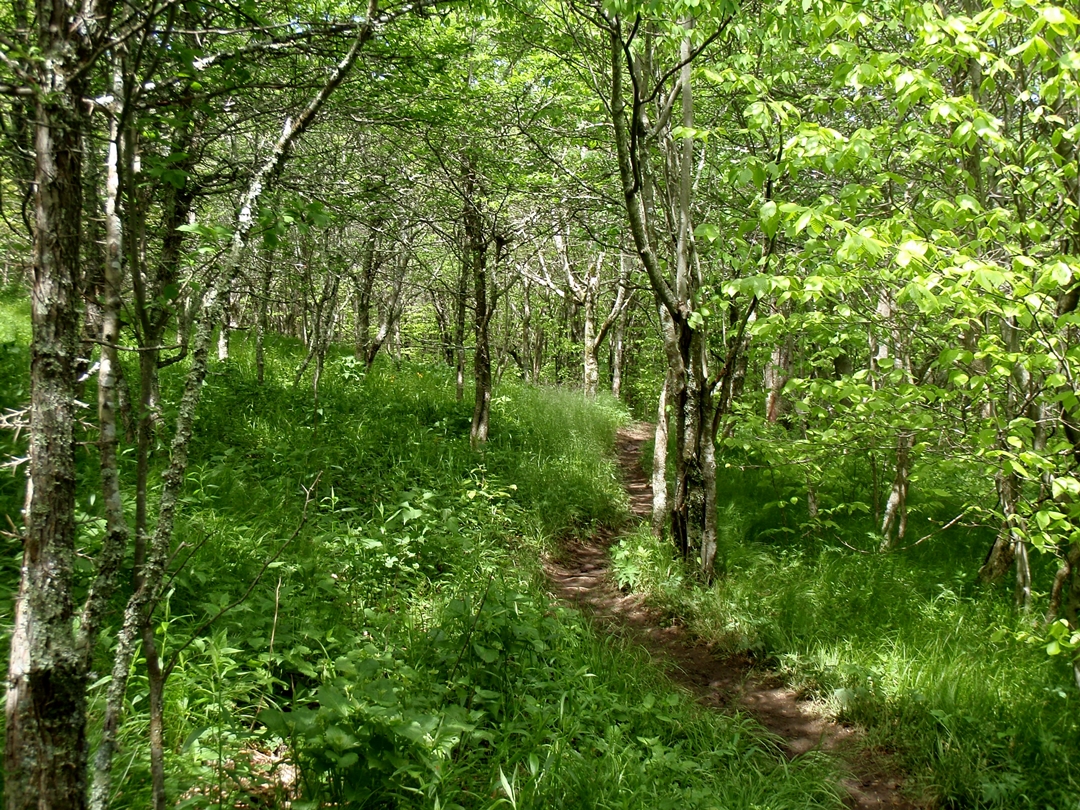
[580, 576]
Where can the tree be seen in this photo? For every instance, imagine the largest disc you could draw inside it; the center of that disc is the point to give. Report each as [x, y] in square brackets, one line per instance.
[53, 640]
[638, 124]
[46, 702]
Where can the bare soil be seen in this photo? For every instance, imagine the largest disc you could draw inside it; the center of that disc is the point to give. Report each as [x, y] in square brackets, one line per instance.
[580, 576]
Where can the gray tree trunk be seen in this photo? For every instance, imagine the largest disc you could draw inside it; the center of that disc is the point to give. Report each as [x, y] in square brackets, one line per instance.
[618, 351]
[262, 316]
[476, 260]
[45, 753]
[393, 309]
[152, 557]
[365, 283]
[460, 310]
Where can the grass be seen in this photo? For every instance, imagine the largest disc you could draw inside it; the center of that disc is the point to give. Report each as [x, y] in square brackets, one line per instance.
[908, 645]
[402, 650]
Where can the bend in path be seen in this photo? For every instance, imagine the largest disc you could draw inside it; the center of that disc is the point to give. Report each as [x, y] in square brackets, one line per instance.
[580, 576]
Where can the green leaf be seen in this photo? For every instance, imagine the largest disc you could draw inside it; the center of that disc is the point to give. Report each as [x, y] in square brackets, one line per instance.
[769, 216]
[507, 788]
[707, 231]
[194, 735]
[1061, 273]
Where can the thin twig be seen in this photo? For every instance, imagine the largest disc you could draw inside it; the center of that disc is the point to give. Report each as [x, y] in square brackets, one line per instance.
[937, 531]
[921, 540]
[183, 565]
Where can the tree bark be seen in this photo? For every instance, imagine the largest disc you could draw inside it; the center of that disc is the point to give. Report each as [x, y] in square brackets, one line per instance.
[262, 317]
[661, 509]
[777, 373]
[392, 311]
[693, 518]
[460, 310]
[896, 506]
[585, 290]
[618, 346]
[45, 752]
[475, 254]
[136, 623]
[365, 283]
[1002, 552]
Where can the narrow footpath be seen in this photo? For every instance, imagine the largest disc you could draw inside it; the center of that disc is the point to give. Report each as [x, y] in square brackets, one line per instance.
[580, 576]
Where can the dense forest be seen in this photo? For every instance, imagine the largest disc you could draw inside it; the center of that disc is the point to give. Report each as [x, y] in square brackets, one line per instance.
[318, 323]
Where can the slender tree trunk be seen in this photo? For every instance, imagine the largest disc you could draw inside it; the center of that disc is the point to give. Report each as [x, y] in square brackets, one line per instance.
[446, 339]
[478, 433]
[660, 507]
[777, 373]
[392, 310]
[262, 317]
[896, 505]
[875, 487]
[223, 332]
[1065, 596]
[476, 257]
[661, 504]
[461, 306]
[811, 489]
[525, 347]
[1009, 546]
[365, 283]
[1065, 593]
[591, 346]
[693, 515]
[594, 336]
[894, 521]
[709, 517]
[1022, 594]
[322, 326]
[45, 752]
[618, 350]
[151, 568]
[539, 343]
[156, 683]
[150, 575]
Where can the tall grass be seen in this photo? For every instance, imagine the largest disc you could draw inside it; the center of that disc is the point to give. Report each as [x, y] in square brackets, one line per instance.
[401, 650]
[908, 645]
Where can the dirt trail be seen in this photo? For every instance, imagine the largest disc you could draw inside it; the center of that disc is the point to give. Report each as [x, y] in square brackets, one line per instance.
[580, 576]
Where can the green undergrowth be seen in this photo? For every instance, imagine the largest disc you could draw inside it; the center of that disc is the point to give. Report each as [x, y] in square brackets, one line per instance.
[906, 644]
[385, 638]
[14, 396]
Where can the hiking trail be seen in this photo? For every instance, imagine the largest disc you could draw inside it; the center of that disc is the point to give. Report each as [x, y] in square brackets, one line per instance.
[580, 576]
